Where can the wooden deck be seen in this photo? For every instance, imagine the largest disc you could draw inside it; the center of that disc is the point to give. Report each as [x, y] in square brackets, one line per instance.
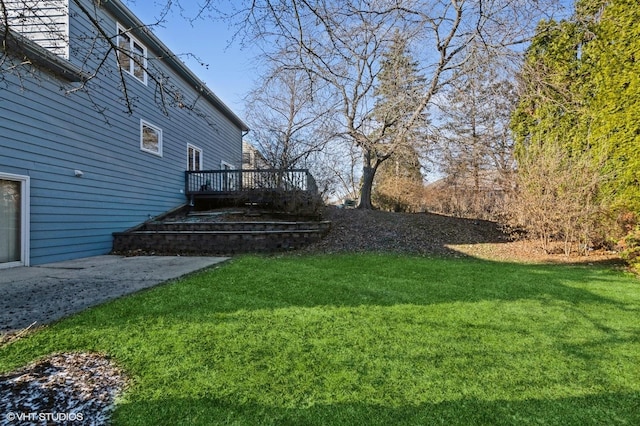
[231, 181]
[251, 186]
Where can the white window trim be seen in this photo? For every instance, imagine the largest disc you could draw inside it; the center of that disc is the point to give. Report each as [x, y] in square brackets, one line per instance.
[25, 219]
[191, 146]
[224, 163]
[120, 28]
[160, 137]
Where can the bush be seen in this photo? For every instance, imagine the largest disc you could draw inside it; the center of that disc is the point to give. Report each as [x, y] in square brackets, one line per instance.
[398, 194]
[558, 198]
[630, 248]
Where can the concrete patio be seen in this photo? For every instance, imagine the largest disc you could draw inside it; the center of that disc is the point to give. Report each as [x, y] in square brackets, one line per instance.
[38, 295]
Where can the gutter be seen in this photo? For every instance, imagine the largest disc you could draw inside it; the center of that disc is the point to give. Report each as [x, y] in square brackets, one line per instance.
[141, 31]
[19, 45]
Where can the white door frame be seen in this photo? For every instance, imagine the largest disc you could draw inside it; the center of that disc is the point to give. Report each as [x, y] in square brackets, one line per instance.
[25, 218]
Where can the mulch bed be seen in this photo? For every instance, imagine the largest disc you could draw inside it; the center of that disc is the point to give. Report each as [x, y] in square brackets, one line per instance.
[428, 234]
[354, 230]
[63, 389]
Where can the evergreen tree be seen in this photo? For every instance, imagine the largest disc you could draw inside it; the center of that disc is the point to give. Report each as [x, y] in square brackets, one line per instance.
[399, 180]
[612, 65]
[581, 96]
[550, 104]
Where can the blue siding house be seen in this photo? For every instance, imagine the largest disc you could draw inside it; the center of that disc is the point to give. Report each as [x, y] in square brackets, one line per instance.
[98, 123]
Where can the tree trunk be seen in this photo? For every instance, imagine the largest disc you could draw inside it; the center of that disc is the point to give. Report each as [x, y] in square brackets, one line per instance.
[368, 173]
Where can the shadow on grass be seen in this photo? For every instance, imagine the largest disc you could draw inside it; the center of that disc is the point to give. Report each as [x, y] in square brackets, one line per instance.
[257, 283]
[602, 409]
[405, 329]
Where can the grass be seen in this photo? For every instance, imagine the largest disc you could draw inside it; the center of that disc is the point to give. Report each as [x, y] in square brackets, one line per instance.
[369, 339]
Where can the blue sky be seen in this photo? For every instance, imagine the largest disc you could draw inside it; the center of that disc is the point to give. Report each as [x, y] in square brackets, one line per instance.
[230, 72]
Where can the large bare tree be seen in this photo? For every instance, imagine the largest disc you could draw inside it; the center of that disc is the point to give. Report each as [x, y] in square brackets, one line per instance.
[290, 122]
[342, 43]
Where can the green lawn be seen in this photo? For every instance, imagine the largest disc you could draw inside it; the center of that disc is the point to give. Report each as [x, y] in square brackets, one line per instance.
[369, 339]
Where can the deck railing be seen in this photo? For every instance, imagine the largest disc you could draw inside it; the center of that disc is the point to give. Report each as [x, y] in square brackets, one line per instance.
[212, 182]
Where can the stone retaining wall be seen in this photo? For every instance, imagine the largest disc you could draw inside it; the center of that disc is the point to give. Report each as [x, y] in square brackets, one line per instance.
[219, 237]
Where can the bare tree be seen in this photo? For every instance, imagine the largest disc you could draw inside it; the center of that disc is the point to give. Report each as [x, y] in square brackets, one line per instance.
[341, 43]
[475, 147]
[335, 171]
[290, 122]
[34, 34]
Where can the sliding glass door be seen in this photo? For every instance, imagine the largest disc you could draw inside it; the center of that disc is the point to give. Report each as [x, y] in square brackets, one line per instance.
[13, 221]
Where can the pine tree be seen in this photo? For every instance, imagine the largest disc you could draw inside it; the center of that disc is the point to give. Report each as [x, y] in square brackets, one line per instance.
[399, 179]
[612, 58]
[581, 97]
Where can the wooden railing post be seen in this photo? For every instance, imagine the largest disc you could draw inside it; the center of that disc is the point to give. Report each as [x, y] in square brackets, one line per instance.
[217, 181]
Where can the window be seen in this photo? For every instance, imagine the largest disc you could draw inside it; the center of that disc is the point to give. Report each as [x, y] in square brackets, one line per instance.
[246, 158]
[132, 55]
[150, 138]
[194, 158]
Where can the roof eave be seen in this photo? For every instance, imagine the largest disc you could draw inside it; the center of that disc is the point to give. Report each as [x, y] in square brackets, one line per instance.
[19, 45]
[126, 17]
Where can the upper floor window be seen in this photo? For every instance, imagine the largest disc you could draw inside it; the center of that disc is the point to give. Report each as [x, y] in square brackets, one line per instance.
[246, 158]
[132, 55]
[150, 138]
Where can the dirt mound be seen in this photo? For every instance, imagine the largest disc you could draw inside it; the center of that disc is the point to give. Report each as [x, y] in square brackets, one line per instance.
[355, 230]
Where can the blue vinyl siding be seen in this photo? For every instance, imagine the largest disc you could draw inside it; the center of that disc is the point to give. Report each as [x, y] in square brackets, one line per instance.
[47, 133]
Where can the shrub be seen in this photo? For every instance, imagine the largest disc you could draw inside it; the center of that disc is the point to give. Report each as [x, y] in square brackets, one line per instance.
[630, 248]
[558, 198]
